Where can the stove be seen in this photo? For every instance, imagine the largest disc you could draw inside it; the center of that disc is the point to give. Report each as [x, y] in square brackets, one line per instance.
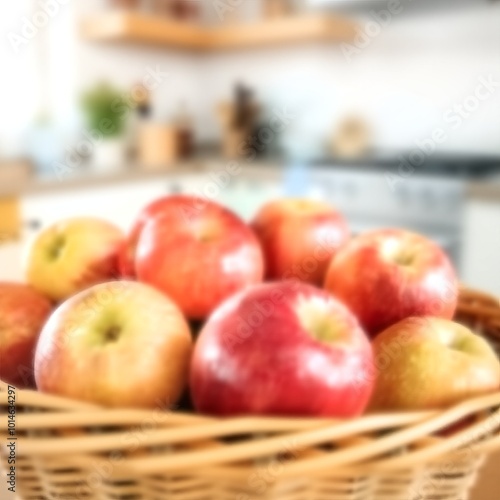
[464, 166]
[387, 191]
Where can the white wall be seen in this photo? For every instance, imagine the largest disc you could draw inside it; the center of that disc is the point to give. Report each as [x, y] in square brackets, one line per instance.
[481, 246]
[127, 65]
[402, 82]
[19, 98]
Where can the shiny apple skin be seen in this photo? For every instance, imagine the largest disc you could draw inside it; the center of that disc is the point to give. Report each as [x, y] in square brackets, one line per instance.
[255, 356]
[145, 366]
[88, 256]
[126, 257]
[198, 253]
[299, 238]
[425, 363]
[23, 312]
[381, 292]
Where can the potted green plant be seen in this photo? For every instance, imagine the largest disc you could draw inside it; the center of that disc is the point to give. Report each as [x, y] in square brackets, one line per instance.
[106, 113]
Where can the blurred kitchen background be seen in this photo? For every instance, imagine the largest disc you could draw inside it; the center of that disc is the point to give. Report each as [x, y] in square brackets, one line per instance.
[390, 110]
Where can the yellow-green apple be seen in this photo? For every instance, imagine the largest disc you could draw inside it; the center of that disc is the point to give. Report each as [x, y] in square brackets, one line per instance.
[299, 238]
[71, 255]
[126, 257]
[198, 253]
[387, 275]
[282, 348]
[23, 312]
[427, 363]
[118, 344]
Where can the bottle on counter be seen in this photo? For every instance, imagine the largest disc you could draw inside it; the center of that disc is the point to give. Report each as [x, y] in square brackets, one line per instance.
[185, 130]
[141, 111]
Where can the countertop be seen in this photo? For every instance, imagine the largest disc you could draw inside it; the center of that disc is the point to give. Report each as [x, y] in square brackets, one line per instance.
[38, 185]
[271, 169]
[484, 189]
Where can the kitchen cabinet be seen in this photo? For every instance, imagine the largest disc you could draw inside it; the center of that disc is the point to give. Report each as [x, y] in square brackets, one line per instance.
[481, 245]
[246, 196]
[10, 238]
[121, 203]
[118, 204]
[11, 255]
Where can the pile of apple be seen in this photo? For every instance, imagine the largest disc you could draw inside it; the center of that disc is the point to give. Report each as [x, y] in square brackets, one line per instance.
[339, 326]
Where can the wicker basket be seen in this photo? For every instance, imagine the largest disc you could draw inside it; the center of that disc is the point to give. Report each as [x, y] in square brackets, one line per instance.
[70, 450]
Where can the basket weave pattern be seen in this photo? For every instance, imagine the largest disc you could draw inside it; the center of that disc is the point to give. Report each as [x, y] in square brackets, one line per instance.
[71, 450]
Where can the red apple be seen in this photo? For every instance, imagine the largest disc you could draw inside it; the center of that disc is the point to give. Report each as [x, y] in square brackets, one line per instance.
[283, 348]
[126, 257]
[118, 344]
[299, 238]
[387, 275]
[23, 312]
[71, 255]
[198, 253]
[426, 363]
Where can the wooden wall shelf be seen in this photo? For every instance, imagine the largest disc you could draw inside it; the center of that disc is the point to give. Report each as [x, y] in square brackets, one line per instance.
[140, 28]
